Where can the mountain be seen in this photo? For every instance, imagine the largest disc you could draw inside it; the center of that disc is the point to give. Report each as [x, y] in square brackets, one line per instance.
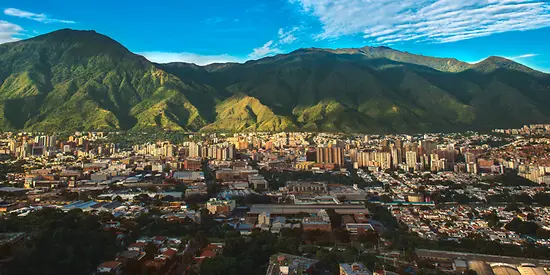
[82, 80]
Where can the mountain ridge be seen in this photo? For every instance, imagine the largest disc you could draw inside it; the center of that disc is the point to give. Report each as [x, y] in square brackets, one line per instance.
[83, 80]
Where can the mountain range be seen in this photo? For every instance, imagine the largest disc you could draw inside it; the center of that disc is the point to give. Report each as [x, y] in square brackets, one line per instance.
[80, 80]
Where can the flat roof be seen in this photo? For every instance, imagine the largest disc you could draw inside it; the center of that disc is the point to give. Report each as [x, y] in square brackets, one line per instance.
[479, 257]
[11, 189]
[290, 209]
[528, 270]
[481, 267]
[505, 270]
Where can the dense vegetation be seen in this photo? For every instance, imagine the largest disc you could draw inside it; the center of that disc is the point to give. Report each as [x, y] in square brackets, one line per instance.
[81, 80]
[59, 243]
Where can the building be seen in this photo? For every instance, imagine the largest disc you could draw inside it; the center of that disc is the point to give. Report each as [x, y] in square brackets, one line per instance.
[295, 209]
[111, 267]
[330, 155]
[321, 221]
[382, 160]
[354, 269]
[504, 269]
[216, 206]
[264, 218]
[195, 150]
[358, 228]
[286, 264]
[234, 175]
[192, 165]
[460, 265]
[530, 269]
[306, 187]
[415, 197]
[258, 182]
[188, 176]
[481, 267]
[411, 159]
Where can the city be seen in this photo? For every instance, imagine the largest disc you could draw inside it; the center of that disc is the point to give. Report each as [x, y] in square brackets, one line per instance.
[201, 203]
[275, 137]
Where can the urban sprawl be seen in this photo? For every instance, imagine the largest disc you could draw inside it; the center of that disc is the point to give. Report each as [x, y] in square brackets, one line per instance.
[284, 203]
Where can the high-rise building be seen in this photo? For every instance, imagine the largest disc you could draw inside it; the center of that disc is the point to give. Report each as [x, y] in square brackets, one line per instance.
[194, 150]
[394, 156]
[411, 159]
[427, 147]
[330, 155]
[311, 154]
[383, 159]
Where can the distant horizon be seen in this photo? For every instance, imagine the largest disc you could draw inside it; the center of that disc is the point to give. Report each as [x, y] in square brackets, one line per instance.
[214, 31]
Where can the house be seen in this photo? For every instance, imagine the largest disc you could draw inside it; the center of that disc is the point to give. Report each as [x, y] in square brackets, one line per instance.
[210, 251]
[244, 228]
[139, 246]
[278, 224]
[111, 225]
[126, 256]
[111, 267]
[167, 254]
[159, 240]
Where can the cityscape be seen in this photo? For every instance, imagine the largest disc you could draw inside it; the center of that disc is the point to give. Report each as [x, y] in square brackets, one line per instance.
[284, 203]
[275, 137]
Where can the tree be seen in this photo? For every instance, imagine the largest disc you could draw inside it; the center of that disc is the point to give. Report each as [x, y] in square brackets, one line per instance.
[521, 227]
[543, 233]
[386, 199]
[72, 242]
[341, 235]
[200, 238]
[493, 219]
[368, 238]
[512, 206]
[335, 218]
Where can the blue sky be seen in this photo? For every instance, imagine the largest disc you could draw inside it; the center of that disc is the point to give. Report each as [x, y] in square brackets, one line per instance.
[209, 31]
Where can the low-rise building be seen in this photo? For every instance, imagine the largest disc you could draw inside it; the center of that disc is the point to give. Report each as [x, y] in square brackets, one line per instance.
[111, 267]
[216, 206]
[354, 269]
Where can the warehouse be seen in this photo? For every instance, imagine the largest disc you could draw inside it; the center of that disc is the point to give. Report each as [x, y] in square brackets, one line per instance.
[294, 209]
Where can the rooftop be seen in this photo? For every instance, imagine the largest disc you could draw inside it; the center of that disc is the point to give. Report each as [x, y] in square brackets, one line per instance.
[290, 209]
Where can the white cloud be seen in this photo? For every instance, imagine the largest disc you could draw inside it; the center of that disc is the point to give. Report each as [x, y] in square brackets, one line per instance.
[476, 61]
[268, 48]
[9, 31]
[40, 17]
[271, 47]
[518, 58]
[167, 57]
[523, 56]
[439, 21]
[287, 37]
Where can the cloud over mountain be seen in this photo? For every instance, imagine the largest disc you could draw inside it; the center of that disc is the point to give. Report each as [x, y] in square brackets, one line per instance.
[439, 21]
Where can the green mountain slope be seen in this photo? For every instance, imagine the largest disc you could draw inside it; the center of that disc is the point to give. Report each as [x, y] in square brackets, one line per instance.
[245, 113]
[383, 90]
[81, 80]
